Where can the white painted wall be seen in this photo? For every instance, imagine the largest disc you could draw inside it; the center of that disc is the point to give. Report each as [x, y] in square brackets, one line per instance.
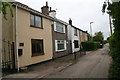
[69, 32]
[52, 14]
[72, 37]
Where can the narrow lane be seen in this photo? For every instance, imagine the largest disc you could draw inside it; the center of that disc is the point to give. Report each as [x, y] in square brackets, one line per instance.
[93, 65]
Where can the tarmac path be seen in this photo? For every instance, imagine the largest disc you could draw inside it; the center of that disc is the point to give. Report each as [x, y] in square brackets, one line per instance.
[93, 65]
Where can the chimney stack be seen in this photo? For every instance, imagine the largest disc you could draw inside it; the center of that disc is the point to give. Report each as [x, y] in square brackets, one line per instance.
[52, 13]
[70, 21]
[45, 9]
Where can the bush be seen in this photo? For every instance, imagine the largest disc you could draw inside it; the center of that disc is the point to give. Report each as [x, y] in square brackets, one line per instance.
[114, 40]
[115, 54]
[114, 70]
[105, 41]
[89, 45]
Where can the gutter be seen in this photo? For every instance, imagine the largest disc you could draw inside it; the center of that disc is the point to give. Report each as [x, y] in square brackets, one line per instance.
[16, 38]
[0, 40]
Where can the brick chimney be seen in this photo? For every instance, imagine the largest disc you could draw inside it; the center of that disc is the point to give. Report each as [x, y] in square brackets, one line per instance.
[45, 9]
[70, 21]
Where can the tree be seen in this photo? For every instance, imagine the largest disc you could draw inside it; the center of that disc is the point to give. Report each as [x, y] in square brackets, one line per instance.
[98, 37]
[3, 11]
[114, 11]
[4, 6]
[89, 37]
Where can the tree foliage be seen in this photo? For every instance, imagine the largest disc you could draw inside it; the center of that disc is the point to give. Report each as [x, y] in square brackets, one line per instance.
[104, 7]
[4, 6]
[89, 37]
[114, 11]
[98, 37]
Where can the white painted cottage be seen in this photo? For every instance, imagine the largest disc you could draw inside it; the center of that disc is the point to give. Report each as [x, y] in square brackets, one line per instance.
[73, 38]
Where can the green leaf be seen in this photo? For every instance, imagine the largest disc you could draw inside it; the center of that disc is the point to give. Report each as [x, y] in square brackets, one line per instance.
[6, 5]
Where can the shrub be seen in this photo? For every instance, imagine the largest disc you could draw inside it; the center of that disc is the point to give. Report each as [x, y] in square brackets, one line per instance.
[89, 45]
[114, 40]
[115, 54]
[105, 41]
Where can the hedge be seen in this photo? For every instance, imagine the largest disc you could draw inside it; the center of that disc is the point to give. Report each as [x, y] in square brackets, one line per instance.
[89, 45]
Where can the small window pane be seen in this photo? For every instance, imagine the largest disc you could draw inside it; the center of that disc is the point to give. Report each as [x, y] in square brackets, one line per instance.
[37, 21]
[75, 32]
[59, 27]
[40, 47]
[32, 19]
[60, 46]
[33, 47]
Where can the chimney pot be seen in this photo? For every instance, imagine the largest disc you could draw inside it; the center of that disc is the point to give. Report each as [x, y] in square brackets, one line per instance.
[50, 8]
[70, 21]
[46, 3]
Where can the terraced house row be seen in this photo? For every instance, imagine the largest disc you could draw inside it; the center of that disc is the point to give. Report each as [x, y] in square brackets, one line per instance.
[32, 37]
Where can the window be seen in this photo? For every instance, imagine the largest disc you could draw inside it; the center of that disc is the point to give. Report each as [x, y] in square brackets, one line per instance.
[32, 19]
[81, 32]
[37, 47]
[76, 44]
[75, 32]
[60, 45]
[59, 27]
[35, 21]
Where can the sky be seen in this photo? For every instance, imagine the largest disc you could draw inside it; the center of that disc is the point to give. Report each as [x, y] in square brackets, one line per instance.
[82, 12]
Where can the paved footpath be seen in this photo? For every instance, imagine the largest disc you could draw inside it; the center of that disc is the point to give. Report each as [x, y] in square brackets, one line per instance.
[93, 65]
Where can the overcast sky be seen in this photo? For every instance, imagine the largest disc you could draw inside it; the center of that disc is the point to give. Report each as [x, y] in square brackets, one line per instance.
[82, 12]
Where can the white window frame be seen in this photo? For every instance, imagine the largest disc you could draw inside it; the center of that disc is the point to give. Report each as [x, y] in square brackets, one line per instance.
[56, 45]
[55, 27]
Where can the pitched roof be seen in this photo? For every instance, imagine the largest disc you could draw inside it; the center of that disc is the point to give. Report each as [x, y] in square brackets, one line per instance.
[29, 9]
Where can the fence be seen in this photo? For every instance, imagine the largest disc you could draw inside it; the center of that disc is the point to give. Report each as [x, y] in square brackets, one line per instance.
[8, 57]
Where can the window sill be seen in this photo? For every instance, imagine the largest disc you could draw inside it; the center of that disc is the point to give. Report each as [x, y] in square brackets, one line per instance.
[75, 35]
[36, 27]
[60, 50]
[77, 48]
[37, 54]
[60, 32]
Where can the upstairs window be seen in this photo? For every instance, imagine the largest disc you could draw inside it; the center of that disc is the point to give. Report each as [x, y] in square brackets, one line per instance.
[36, 21]
[75, 32]
[59, 27]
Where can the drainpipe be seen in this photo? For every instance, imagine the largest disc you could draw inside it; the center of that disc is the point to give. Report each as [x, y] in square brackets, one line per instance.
[0, 40]
[16, 38]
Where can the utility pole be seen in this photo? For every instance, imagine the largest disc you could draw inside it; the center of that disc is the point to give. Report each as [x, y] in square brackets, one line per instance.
[110, 21]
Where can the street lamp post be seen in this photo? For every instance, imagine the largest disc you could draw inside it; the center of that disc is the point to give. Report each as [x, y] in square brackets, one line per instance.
[91, 29]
